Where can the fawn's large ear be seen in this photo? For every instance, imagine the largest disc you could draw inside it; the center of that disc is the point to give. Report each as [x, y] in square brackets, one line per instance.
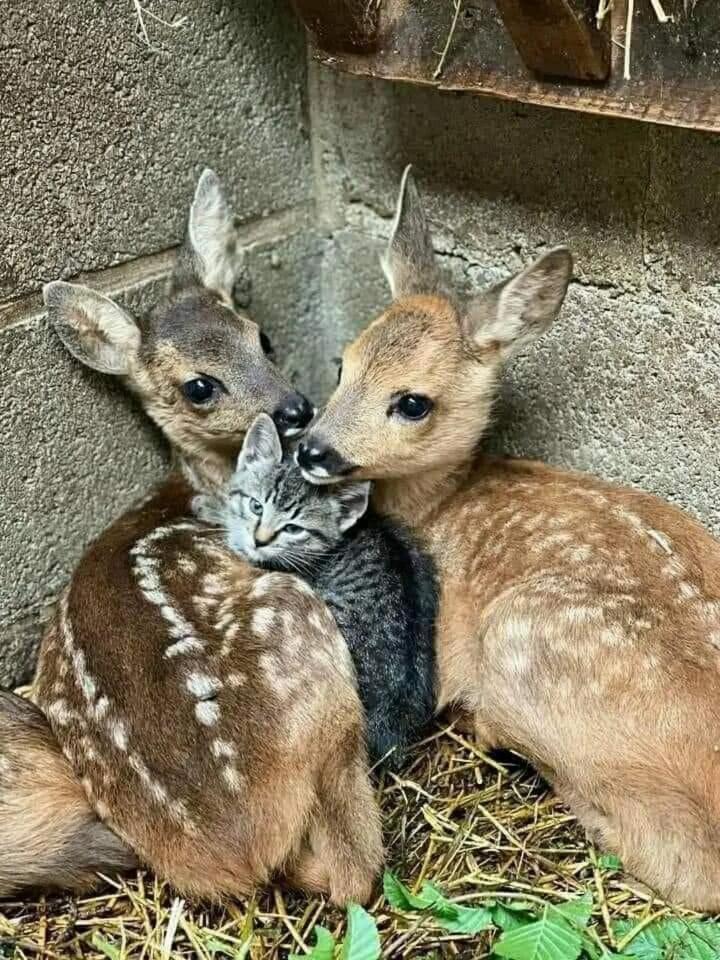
[409, 260]
[95, 330]
[210, 254]
[354, 499]
[522, 308]
[261, 447]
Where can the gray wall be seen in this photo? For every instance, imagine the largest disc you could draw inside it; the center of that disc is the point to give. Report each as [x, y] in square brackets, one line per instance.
[106, 138]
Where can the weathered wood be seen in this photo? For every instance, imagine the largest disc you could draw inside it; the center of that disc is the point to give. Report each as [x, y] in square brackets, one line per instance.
[559, 38]
[675, 67]
[341, 25]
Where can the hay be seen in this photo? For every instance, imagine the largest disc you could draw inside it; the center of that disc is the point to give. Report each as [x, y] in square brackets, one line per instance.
[473, 826]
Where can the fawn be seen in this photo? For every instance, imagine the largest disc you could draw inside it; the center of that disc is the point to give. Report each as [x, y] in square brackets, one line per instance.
[203, 714]
[579, 622]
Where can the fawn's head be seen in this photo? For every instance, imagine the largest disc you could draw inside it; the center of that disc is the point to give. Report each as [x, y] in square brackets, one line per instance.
[416, 387]
[202, 369]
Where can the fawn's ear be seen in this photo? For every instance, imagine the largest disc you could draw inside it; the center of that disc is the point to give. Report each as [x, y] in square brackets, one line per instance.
[409, 260]
[95, 330]
[261, 447]
[520, 309]
[354, 499]
[210, 254]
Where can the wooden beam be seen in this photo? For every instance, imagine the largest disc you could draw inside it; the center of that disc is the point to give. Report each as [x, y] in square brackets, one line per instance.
[341, 26]
[558, 38]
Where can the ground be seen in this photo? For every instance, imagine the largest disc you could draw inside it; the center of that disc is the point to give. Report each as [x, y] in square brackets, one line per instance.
[476, 827]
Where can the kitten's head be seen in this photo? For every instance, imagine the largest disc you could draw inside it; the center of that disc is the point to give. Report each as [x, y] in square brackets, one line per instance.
[276, 518]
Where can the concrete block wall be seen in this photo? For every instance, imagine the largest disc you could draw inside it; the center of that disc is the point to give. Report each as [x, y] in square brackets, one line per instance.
[103, 138]
[626, 385]
[102, 141]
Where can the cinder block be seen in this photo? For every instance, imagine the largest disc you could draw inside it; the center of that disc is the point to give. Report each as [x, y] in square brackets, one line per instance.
[103, 138]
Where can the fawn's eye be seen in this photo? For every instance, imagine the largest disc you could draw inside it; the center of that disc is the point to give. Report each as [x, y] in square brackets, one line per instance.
[201, 390]
[292, 528]
[255, 506]
[412, 406]
[266, 345]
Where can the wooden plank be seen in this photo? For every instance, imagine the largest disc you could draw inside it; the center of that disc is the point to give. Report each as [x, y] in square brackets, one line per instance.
[559, 38]
[340, 25]
[675, 67]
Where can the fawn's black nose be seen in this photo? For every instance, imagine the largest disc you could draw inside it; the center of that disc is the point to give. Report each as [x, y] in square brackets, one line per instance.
[318, 459]
[292, 414]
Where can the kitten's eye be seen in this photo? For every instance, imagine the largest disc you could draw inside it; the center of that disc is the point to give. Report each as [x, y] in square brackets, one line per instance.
[292, 528]
[201, 390]
[412, 406]
[255, 506]
[266, 345]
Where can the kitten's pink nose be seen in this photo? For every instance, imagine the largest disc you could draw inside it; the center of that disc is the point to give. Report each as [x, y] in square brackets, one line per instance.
[263, 536]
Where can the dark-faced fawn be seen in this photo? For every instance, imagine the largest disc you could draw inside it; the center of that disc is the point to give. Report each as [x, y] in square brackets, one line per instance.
[203, 716]
[580, 622]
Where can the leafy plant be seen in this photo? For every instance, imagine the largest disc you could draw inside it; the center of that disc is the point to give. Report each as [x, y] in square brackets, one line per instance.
[362, 941]
[671, 939]
[530, 930]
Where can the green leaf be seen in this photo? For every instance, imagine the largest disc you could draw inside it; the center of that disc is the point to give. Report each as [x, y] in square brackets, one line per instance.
[509, 917]
[324, 948]
[104, 946]
[608, 861]
[577, 911]
[672, 939]
[362, 941]
[549, 938]
[399, 897]
[467, 920]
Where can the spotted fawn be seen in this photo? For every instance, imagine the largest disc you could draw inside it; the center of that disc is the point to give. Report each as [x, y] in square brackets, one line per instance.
[580, 622]
[199, 716]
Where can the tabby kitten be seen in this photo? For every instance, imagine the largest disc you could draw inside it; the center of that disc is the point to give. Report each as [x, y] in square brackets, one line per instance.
[381, 589]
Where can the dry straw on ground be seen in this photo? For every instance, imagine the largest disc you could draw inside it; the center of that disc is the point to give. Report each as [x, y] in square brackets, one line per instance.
[475, 827]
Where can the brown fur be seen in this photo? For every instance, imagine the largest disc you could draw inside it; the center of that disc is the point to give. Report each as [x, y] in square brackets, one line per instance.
[278, 776]
[37, 789]
[580, 622]
[210, 713]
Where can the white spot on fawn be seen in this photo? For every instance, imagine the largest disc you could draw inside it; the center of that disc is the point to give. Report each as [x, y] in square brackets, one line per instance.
[202, 685]
[207, 712]
[119, 735]
[221, 748]
[232, 777]
[181, 647]
[262, 621]
[236, 679]
[662, 541]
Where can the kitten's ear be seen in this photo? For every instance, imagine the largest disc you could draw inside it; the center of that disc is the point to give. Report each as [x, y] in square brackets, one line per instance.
[354, 499]
[262, 445]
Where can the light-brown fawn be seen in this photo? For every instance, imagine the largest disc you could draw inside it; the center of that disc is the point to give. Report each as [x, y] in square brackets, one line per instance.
[580, 622]
[203, 716]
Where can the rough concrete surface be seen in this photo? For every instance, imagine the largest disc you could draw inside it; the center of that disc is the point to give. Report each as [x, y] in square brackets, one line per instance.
[626, 385]
[103, 138]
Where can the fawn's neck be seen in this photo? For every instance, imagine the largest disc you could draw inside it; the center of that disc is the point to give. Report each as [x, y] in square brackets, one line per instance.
[413, 500]
[207, 472]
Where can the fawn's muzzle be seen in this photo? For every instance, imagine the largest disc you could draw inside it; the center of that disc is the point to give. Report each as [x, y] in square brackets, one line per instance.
[293, 413]
[319, 461]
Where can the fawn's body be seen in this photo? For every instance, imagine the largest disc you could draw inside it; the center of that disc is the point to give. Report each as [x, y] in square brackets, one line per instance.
[215, 727]
[579, 622]
[580, 626]
[206, 711]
